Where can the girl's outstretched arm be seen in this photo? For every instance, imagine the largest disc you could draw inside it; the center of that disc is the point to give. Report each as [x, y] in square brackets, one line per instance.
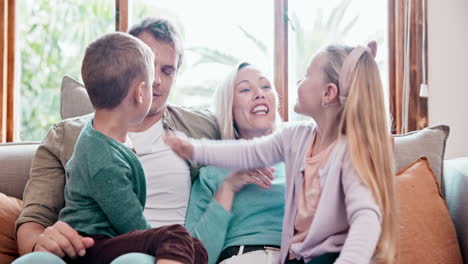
[182, 147]
[233, 154]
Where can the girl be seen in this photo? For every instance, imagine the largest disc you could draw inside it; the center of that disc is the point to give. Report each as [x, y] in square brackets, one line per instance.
[339, 190]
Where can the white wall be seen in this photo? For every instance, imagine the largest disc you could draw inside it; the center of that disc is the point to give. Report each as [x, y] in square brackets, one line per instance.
[448, 71]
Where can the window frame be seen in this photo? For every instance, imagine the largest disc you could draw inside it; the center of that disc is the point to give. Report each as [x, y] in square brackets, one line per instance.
[7, 70]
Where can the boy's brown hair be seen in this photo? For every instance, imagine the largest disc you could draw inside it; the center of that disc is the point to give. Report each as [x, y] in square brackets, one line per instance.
[111, 64]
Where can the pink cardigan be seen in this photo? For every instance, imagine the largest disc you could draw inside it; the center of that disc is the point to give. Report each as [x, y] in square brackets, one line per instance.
[347, 219]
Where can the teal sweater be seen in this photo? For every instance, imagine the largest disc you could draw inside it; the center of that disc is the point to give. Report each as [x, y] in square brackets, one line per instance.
[256, 218]
[105, 191]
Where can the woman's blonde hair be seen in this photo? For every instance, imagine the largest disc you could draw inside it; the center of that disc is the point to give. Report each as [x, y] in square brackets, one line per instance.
[363, 121]
[224, 101]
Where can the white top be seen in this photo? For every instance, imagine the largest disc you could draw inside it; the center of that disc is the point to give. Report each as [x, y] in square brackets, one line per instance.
[168, 180]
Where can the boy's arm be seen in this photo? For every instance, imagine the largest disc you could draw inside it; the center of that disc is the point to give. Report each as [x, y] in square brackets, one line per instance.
[113, 191]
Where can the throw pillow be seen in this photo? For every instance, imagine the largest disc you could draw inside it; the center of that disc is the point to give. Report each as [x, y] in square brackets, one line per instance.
[9, 211]
[427, 233]
[428, 142]
[74, 99]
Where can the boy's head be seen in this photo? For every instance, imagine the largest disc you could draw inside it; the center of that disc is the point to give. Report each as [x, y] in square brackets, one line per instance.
[113, 65]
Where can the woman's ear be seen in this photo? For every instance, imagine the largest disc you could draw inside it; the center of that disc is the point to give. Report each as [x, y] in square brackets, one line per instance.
[330, 94]
[138, 92]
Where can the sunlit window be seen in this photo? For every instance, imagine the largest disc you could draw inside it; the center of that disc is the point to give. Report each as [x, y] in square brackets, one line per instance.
[217, 35]
[315, 24]
[52, 37]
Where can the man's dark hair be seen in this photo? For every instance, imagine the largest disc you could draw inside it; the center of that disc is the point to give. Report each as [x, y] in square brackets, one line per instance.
[162, 30]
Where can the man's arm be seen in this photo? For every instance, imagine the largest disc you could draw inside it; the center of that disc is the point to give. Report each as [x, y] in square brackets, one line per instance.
[27, 235]
[43, 195]
[59, 239]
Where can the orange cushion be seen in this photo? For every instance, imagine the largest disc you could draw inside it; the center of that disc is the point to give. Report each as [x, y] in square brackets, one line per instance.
[427, 233]
[9, 211]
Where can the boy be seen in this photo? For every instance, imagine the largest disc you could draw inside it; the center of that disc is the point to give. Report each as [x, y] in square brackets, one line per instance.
[105, 191]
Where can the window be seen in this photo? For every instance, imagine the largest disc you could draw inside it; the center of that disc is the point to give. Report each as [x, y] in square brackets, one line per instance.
[315, 24]
[217, 35]
[52, 36]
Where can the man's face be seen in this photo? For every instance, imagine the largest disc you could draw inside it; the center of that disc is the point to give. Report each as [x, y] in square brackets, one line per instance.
[165, 70]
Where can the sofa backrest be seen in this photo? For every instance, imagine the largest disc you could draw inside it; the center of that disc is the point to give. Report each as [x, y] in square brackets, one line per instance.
[15, 164]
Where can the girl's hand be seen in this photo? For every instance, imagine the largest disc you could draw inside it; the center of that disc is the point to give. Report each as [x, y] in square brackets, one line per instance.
[238, 179]
[183, 148]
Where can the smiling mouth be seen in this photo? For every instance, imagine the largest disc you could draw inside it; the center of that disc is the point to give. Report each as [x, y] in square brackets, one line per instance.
[261, 109]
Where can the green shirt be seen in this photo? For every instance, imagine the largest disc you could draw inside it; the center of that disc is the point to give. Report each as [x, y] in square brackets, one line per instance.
[256, 218]
[105, 191]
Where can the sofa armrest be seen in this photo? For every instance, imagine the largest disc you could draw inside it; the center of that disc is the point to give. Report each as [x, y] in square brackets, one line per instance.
[456, 196]
[15, 165]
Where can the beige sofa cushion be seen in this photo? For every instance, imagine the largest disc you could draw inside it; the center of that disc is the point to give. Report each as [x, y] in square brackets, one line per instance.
[15, 166]
[74, 100]
[428, 142]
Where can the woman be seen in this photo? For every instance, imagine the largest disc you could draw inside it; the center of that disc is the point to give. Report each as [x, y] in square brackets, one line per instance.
[238, 216]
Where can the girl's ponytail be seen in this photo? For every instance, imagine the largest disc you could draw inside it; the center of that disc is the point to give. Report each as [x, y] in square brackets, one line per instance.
[363, 121]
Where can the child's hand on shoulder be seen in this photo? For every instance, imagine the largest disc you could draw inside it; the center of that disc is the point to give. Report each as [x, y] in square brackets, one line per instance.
[182, 147]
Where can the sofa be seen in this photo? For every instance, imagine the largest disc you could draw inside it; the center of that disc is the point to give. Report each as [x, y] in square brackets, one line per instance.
[451, 176]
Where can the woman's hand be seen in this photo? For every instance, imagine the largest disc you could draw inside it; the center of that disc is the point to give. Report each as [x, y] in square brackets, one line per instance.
[183, 148]
[237, 180]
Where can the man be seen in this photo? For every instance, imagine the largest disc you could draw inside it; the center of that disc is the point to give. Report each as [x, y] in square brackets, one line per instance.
[168, 177]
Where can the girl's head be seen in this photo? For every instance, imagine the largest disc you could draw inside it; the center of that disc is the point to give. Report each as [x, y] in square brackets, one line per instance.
[322, 89]
[344, 83]
[246, 104]
[315, 90]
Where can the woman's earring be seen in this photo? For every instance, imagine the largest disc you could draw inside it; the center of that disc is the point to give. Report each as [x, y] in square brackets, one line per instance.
[324, 105]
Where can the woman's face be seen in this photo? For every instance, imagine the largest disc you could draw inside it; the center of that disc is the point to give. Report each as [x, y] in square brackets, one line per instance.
[254, 105]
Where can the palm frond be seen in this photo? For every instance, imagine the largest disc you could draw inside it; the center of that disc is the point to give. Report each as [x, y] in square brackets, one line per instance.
[208, 55]
[261, 46]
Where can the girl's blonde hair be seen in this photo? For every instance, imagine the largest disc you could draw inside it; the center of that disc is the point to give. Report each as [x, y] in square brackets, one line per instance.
[224, 101]
[363, 121]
